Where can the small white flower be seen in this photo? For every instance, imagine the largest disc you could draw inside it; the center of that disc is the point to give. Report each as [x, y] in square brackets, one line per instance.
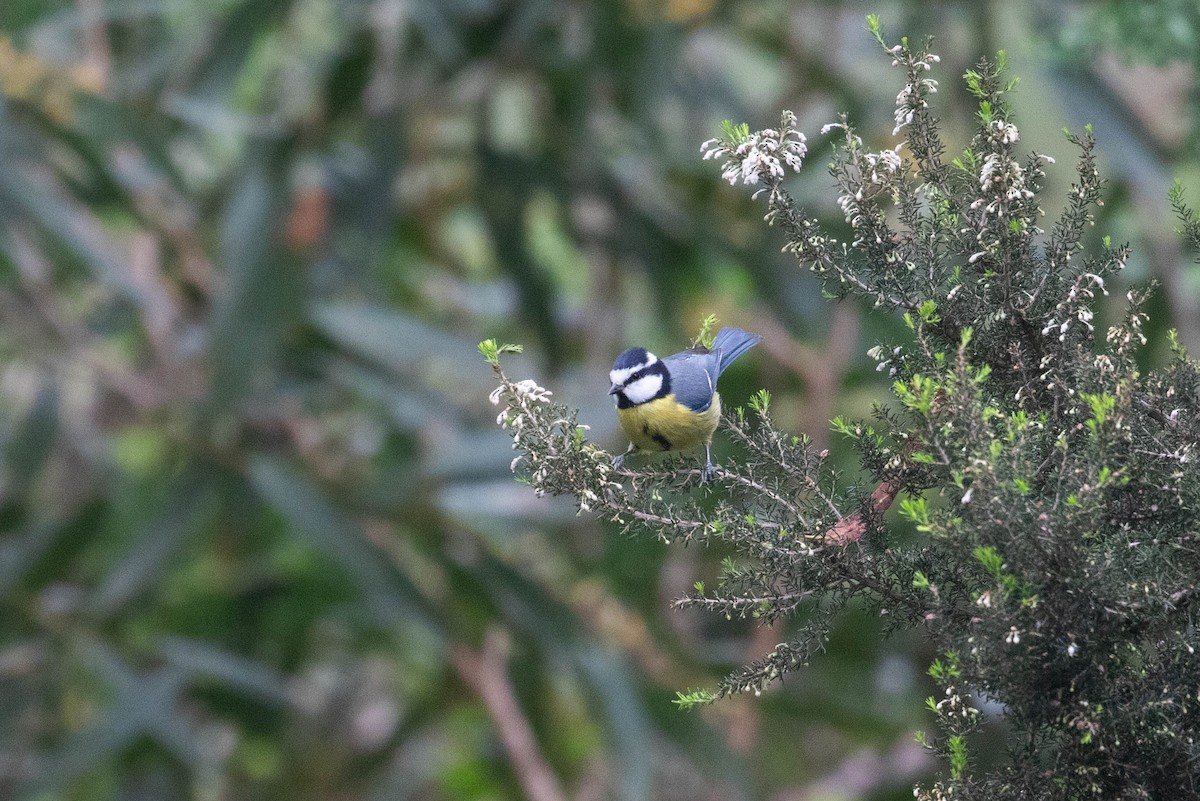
[1072, 649]
[1097, 280]
[713, 148]
[530, 388]
[904, 116]
[1013, 637]
[984, 599]
[1007, 132]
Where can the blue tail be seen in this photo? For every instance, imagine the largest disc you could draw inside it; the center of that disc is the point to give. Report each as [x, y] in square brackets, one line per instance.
[731, 343]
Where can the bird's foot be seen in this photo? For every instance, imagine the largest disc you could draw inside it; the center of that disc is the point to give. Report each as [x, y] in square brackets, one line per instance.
[710, 469]
[618, 461]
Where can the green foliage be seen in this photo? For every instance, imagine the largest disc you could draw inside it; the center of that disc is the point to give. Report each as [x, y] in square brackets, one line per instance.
[1049, 481]
[760, 402]
[944, 671]
[492, 352]
[735, 132]
[1187, 216]
[707, 332]
[256, 539]
[957, 746]
[693, 698]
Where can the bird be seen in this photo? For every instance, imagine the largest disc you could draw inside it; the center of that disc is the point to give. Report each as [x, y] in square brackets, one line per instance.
[672, 404]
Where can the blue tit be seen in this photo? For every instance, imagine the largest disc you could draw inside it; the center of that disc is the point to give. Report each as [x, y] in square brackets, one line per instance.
[671, 404]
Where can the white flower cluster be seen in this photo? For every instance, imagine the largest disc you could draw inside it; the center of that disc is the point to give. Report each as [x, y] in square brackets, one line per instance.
[935, 793]
[1001, 178]
[885, 161]
[912, 96]
[884, 359]
[1124, 337]
[875, 169]
[864, 170]
[527, 412]
[760, 155]
[956, 705]
[515, 414]
[1006, 132]
[1001, 175]
[529, 388]
[1069, 309]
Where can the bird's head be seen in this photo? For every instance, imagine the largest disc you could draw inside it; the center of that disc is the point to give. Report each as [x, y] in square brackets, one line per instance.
[637, 376]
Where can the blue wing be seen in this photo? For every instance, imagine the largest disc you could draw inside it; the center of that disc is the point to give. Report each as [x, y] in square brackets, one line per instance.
[693, 378]
[694, 373]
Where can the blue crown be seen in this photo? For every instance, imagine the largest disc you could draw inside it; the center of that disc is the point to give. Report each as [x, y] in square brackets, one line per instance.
[631, 358]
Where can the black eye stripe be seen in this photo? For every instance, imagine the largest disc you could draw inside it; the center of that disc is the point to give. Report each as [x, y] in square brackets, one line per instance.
[659, 369]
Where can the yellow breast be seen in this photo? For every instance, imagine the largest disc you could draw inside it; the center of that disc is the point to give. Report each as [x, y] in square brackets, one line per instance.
[666, 424]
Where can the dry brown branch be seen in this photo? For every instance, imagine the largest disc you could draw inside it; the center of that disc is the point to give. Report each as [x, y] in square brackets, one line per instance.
[851, 528]
[485, 671]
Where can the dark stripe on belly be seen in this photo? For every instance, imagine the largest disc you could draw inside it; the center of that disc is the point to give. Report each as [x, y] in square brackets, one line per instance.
[657, 437]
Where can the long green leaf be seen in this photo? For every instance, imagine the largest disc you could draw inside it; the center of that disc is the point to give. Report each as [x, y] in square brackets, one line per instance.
[259, 299]
[391, 338]
[202, 659]
[184, 505]
[393, 600]
[32, 442]
[74, 225]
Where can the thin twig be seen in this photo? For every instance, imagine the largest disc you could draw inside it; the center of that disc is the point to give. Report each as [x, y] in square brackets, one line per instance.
[1155, 414]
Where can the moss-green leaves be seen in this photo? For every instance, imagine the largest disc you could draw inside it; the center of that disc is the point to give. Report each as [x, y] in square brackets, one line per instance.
[1101, 406]
[491, 351]
[760, 402]
[735, 132]
[694, 698]
[707, 330]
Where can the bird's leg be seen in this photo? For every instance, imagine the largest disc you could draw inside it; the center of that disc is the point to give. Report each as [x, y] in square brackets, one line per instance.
[710, 469]
[619, 459]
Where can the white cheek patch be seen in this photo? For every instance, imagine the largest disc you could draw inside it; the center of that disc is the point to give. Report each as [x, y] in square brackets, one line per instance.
[619, 377]
[644, 389]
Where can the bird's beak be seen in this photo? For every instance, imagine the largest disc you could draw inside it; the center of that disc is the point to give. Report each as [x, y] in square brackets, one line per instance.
[614, 389]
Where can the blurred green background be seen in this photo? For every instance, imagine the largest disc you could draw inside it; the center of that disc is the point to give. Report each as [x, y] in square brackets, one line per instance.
[259, 538]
